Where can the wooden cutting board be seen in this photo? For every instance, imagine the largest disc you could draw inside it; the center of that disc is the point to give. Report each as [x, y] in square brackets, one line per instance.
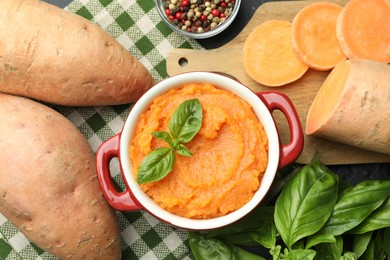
[227, 59]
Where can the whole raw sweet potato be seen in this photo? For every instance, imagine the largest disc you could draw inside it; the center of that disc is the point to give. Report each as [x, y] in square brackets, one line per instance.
[353, 106]
[52, 55]
[48, 183]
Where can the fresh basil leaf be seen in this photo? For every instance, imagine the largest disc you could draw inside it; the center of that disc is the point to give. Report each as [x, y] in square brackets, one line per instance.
[275, 252]
[360, 243]
[369, 253]
[209, 248]
[300, 254]
[349, 256]
[300, 244]
[379, 253]
[248, 224]
[356, 205]
[163, 135]
[386, 241]
[317, 238]
[241, 254]
[186, 120]
[327, 251]
[241, 239]
[344, 187]
[212, 248]
[156, 165]
[379, 218]
[182, 150]
[183, 125]
[305, 202]
[265, 234]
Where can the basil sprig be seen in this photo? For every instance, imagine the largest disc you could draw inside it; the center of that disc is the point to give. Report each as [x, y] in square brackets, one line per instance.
[313, 217]
[183, 126]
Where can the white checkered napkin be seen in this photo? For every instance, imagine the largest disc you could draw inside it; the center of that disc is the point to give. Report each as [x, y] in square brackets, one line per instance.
[138, 27]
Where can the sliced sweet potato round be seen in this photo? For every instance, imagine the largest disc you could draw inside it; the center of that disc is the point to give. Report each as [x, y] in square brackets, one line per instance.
[363, 30]
[314, 35]
[268, 55]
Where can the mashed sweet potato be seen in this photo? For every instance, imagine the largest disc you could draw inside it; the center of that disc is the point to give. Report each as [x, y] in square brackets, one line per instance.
[229, 153]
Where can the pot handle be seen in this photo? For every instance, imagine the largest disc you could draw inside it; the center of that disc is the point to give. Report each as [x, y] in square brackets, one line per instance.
[121, 201]
[291, 151]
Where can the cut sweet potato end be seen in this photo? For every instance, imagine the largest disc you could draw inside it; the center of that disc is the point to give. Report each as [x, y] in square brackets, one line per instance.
[314, 35]
[268, 56]
[363, 30]
[327, 97]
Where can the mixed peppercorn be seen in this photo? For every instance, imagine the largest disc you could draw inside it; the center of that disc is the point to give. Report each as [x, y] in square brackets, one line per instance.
[198, 16]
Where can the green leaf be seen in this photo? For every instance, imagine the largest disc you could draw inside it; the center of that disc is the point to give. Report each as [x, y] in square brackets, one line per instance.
[275, 252]
[379, 218]
[343, 187]
[301, 254]
[330, 251]
[265, 234]
[241, 254]
[248, 224]
[300, 244]
[212, 248]
[386, 241]
[360, 243]
[379, 253]
[165, 136]
[156, 165]
[316, 239]
[349, 256]
[240, 232]
[209, 248]
[355, 205]
[241, 239]
[182, 150]
[306, 202]
[183, 125]
[186, 120]
[369, 253]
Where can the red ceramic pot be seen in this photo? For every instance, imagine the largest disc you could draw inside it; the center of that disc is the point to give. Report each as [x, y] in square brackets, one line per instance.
[263, 104]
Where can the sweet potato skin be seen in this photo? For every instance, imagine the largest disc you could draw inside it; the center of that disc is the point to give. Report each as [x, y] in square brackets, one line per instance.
[48, 183]
[361, 115]
[59, 57]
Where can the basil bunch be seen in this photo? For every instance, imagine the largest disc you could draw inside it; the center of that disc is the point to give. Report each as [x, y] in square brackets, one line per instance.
[316, 216]
[183, 126]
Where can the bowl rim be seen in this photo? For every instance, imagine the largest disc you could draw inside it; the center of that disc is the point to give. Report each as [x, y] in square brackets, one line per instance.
[203, 35]
[222, 82]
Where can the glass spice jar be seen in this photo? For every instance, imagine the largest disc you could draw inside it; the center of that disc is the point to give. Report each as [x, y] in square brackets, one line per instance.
[198, 15]
[198, 18]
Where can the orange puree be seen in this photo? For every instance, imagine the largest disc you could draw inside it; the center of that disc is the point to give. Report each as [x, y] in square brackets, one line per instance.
[229, 153]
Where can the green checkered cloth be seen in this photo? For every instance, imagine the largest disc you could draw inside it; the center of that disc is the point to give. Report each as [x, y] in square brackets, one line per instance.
[138, 27]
